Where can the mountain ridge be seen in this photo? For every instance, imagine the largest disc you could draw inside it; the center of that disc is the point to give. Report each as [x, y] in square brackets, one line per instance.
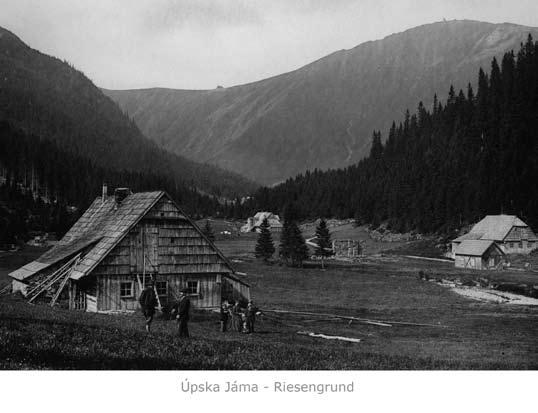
[320, 115]
[49, 98]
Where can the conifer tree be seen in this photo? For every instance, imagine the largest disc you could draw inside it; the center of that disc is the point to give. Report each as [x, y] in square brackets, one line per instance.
[323, 239]
[442, 167]
[285, 247]
[293, 249]
[299, 251]
[208, 231]
[376, 151]
[264, 246]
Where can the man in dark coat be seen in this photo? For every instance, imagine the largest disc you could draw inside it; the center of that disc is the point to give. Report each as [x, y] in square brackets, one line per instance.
[182, 309]
[250, 317]
[148, 302]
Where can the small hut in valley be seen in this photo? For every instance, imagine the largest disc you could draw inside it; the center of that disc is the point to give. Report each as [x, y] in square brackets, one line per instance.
[118, 245]
[478, 255]
[254, 223]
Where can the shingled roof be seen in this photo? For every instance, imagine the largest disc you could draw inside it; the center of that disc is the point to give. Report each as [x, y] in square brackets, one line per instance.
[115, 225]
[101, 227]
[495, 228]
[475, 248]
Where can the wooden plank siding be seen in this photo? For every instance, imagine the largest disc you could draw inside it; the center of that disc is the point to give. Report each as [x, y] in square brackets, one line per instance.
[108, 292]
[165, 245]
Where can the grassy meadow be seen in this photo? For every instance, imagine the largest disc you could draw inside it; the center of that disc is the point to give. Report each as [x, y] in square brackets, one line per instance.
[462, 333]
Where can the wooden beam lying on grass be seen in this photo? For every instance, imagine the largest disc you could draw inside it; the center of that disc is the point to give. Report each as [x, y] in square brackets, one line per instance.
[361, 320]
[326, 337]
[381, 323]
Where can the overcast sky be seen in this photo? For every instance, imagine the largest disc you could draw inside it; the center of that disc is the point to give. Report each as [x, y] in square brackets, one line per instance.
[199, 44]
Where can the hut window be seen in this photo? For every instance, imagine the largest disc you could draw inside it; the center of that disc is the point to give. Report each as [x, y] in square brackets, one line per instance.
[520, 244]
[126, 289]
[511, 245]
[172, 240]
[162, 287]
[192, 287]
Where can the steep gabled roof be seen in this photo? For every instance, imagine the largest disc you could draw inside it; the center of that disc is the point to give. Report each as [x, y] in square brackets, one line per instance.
[101, 228]
[475, 248]
[497, 227]
[102, 223]
[115, 225]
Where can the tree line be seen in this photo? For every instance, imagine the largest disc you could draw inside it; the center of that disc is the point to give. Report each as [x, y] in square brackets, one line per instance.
[441, 168]
[45, 188]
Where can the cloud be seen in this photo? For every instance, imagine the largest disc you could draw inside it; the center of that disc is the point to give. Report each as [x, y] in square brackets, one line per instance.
[173, 15]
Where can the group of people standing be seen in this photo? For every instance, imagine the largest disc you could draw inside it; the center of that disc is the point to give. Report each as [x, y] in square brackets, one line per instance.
[233, 316]
[180, 310]
[238, 318]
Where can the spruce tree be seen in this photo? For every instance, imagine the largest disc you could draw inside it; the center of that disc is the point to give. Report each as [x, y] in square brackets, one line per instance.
[299, 250]
[323, 238]
[208, 231]
[293, 249]
[376, 151]
[264, 247]
[440, 168]
[285, 247]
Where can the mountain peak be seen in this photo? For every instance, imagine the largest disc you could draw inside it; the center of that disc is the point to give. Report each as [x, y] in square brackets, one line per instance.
[321, 115]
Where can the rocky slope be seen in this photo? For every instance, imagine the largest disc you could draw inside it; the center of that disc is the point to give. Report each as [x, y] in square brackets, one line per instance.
[323, 114]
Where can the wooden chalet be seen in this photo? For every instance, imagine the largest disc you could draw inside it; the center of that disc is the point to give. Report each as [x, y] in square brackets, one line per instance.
[120, 243]
[478, 255]
[509, 232]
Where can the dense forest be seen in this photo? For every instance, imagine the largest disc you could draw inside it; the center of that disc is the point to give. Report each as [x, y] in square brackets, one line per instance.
[44, 188]
[61, 138]
[442, 168]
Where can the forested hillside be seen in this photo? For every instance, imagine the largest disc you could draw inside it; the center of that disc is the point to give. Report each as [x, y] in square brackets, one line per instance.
[48, 98]
[43, 188]
[438, 169]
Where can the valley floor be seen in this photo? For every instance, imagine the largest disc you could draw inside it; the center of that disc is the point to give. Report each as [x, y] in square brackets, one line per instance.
[462, 333]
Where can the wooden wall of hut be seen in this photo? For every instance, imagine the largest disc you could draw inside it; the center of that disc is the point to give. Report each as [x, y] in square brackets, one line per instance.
[208, 293]
[166, 246]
